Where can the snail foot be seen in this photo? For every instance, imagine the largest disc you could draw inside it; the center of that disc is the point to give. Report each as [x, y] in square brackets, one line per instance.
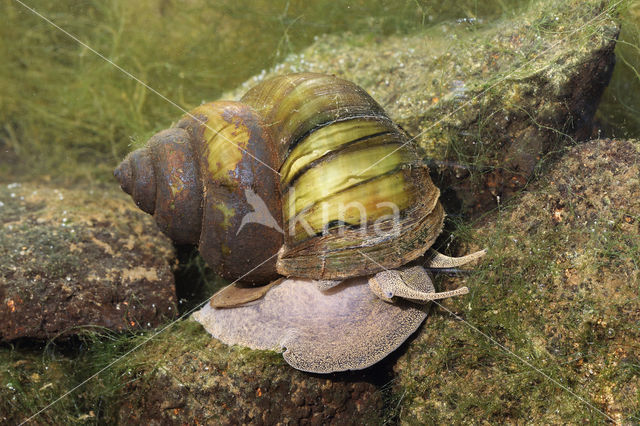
[346, 328]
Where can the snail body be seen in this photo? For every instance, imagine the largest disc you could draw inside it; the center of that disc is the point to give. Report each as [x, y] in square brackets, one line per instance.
[305, 177]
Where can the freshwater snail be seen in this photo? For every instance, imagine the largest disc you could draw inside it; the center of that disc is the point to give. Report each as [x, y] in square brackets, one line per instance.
[305, 177]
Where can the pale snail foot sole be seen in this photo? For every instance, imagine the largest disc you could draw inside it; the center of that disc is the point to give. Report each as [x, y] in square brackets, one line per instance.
[344, 328]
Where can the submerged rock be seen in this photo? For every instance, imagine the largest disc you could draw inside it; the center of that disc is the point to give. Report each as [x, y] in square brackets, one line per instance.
[559, 290]
[189, 377]
[76, 259]
[486, 101]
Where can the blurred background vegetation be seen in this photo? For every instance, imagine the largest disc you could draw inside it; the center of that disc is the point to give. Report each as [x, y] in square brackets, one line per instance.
[66, 114]
[619, 112]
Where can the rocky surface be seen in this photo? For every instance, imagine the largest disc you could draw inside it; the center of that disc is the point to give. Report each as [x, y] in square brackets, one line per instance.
[559, 289]
[202, 380]
[76, 259]
[548, 333]
[486, 101]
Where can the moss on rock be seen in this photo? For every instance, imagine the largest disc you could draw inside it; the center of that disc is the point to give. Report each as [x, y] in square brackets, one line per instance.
[559, 289]
[189, 375]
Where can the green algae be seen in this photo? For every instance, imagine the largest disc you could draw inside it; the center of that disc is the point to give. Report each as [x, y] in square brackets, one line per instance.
[68, 114]
[33, 376]
[549, 331]
[619, 110]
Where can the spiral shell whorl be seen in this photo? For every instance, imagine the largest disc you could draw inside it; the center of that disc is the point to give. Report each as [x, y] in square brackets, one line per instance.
[163, 181]
[343, 164]
[300, 147]
[236, 160]
[136, 177]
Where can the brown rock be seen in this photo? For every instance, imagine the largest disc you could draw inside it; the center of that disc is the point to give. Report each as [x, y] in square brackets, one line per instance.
[74, 259]
[190, 377]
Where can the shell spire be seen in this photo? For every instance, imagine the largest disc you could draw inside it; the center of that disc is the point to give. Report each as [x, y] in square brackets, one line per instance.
[136, 177]
[162, 179]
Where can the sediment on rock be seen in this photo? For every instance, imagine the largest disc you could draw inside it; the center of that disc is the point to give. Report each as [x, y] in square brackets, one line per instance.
[77, 260]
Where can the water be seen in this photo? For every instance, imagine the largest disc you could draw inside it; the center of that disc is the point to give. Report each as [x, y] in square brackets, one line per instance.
[549, 330]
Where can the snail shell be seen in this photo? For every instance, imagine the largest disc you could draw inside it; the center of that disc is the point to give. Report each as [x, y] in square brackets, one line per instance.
[304, 144]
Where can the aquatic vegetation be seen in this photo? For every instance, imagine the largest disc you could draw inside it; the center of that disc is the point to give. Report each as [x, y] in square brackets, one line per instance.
[66, 113]
[620, 107]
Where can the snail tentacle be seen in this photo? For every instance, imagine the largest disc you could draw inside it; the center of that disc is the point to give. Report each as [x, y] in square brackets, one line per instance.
[406, 283]
[438, 260]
